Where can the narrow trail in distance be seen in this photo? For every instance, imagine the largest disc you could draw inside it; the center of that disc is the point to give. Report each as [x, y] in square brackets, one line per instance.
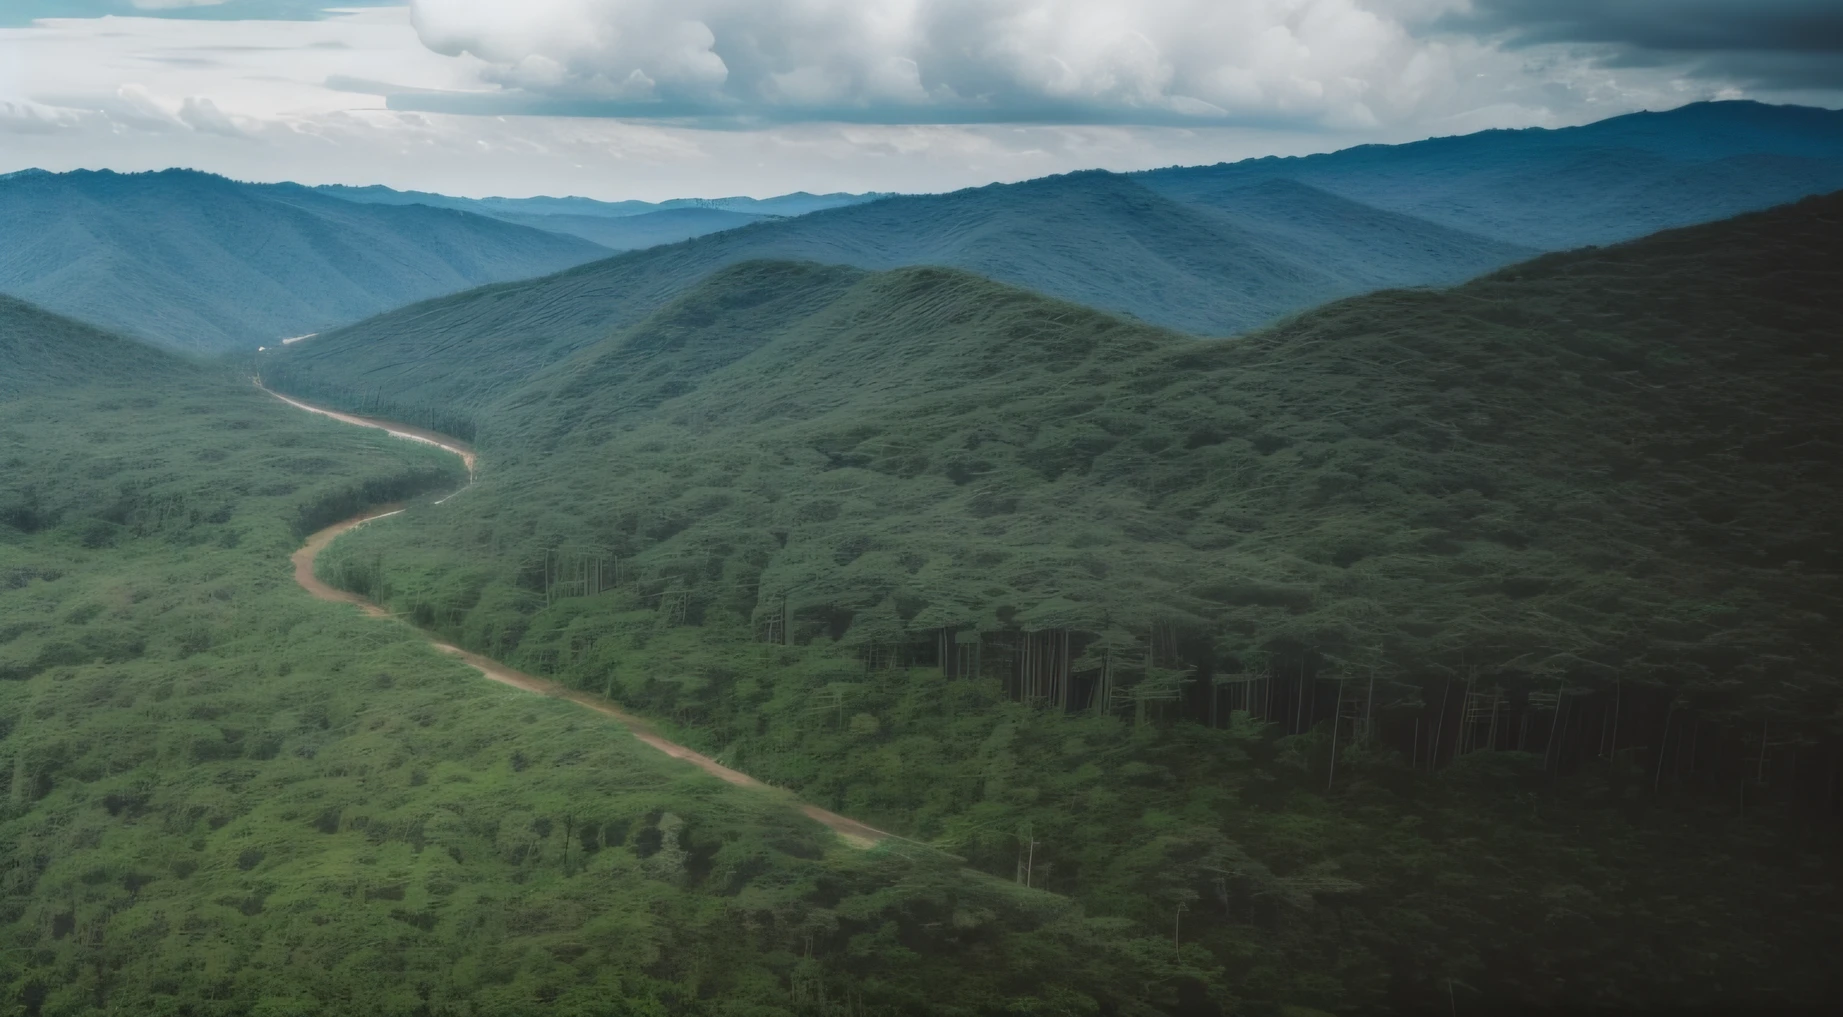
[850, 830]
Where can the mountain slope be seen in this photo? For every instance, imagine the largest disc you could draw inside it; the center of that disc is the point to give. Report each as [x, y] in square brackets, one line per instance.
[279, 783]
[39, 349]
[1499, 446]
[1214, 249]
[636, 232]
[797, 203]
[1600, 183]
[1180, 620]
[1093, 237]
[200, 262]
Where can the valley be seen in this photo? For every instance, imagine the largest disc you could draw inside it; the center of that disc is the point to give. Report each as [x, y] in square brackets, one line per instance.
[851, 830]
[219, 788]
[1398, 580]
[822, 546]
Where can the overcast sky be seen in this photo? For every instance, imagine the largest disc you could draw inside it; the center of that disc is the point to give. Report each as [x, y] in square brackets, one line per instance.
[665, 98]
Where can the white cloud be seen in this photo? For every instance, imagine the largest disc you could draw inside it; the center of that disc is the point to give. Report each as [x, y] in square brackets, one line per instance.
[837, 106]
[1342, 62]
[167, 5]
[30, 118]
[202, 114]
[134, 105]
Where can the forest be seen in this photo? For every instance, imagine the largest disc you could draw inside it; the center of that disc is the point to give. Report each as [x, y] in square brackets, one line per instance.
[918, 508]
[220, 797]
[1431, 649]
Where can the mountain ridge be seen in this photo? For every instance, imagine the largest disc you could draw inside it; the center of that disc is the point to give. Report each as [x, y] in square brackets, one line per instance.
[39, 348]
[198, 261]
[1092, 236]
[1526, 424]
[1211, 250]
[1598, 183]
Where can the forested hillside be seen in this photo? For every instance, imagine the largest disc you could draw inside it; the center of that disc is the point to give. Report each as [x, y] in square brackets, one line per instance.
[219, 796]
[1096, 238]
[40, 349]
[1210, 250]
[1601, 183]
[198, 262]
[1170, 625]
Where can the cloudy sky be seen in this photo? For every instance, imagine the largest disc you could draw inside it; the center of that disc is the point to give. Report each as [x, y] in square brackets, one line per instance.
[664, 98]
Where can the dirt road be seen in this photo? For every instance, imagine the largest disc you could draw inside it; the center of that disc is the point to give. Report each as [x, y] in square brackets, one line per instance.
[850, 830]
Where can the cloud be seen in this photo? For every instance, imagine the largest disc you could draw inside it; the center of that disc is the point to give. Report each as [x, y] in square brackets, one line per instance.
[1330, 62]
[24, 12]
[1792, 44]
[134, 105]
[30, 118]
[202, 114]
[162, 5]
[912, 95]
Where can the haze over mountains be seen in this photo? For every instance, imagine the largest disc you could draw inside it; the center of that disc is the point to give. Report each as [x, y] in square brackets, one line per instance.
[201, 262]
[797, 203]
[198, 262]
[616, 225]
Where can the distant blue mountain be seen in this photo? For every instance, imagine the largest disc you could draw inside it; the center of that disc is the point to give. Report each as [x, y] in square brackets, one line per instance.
[1093, 238]
[199, 262]
[647, 224]
[634, 232]
[1211, 250]
[1608, 181]
[797, 203]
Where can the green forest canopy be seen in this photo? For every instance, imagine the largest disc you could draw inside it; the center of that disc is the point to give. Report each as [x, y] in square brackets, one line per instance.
[1534, 460]
[221, 797]
[1607, 464]
[225, 796]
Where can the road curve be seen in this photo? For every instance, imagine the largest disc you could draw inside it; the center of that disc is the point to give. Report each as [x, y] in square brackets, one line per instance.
[850, 830]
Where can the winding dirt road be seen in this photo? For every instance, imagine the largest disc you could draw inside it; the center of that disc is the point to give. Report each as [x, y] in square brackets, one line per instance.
[850, 830]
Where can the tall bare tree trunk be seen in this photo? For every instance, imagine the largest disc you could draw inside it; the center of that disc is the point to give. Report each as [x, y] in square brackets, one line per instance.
[1662, 744]
[1433, 751]
[1335, 716]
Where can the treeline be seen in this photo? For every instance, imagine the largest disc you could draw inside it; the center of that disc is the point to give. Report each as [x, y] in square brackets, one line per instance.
[350, 499]
[1267, 844]
[444, 418]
